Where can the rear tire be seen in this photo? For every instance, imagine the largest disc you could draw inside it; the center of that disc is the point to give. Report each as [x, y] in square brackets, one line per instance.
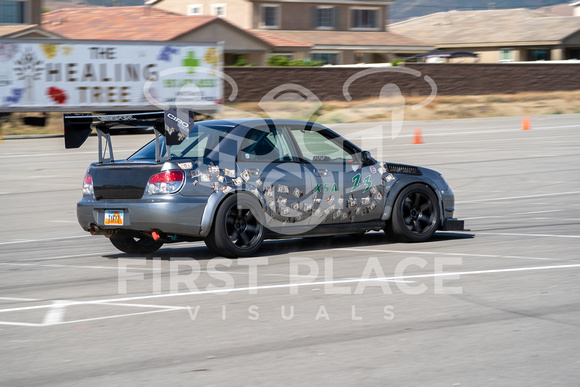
[415, 215]
[136, 245]
[238, 229]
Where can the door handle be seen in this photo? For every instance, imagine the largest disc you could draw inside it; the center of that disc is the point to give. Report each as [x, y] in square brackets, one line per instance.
[254, 171]
[323, 172]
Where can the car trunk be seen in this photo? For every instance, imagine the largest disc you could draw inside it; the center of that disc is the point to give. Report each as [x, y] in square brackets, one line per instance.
[123, 180]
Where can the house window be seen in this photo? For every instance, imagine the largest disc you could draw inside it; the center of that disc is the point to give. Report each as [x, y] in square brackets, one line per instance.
[270, 16]
[364, 18]
[324, 17]
[218, 9]
[195, 9]
[573, 53]
[539, 54]
[506, 55]
[12, 12]
[325, 57]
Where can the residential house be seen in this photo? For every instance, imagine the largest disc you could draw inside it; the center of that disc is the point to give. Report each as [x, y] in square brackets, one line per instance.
[338, 31]
[146, 23]
[498, 35]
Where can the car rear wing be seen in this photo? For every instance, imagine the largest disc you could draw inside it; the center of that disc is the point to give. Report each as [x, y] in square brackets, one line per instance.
[174, 124]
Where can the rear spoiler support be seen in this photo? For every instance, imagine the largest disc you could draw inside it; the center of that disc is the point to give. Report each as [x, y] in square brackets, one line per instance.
[108, 146]
[158, 150]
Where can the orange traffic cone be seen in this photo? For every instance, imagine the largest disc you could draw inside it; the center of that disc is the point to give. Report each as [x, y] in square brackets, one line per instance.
[526, 123]
[418, 137]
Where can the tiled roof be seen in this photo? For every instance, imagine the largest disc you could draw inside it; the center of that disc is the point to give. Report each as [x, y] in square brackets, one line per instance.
[121, 23]
[486, 27]
[279, 40]
[347, 38]
[138, 23]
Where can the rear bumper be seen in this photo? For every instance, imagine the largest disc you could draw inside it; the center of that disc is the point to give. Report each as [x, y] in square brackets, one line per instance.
[171, 214]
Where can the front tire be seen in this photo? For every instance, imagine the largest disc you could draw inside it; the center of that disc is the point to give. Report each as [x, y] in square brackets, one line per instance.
[238, 228]
[136, 245]
[415, 215]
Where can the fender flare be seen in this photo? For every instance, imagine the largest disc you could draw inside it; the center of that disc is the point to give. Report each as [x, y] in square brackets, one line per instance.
[213, 203]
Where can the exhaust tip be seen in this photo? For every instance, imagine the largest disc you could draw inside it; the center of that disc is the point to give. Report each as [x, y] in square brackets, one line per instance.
[95, 230]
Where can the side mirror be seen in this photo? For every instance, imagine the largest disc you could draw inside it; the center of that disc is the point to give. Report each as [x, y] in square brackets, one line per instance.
[366, 157]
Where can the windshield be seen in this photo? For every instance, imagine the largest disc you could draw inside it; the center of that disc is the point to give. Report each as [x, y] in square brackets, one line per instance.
[201, 141]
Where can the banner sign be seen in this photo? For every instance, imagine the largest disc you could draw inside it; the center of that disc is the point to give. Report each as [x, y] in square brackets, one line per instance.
[69, 75]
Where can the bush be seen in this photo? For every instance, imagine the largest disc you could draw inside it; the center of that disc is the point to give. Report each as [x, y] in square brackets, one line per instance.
[305, 62]
[395, 62]
[279, 60]
[241, 61]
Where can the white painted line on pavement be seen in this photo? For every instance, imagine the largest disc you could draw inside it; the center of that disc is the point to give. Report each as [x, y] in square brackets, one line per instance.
[303, 284]
[73, 266]
[55, 314]
[519, 197]
[264, 287]
[526, 235]
[14, 155]
[144, 306]
[44, 240]
[513, 214]
[447, 254]
[19, 299]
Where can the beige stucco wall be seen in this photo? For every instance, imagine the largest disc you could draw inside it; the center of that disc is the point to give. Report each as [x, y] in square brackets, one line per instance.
[557, 53]
[296, 16]
[234, 41]
[237, 11]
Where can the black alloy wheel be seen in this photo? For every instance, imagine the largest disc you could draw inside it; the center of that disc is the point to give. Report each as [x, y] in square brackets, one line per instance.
[415, 215]
[238, 228]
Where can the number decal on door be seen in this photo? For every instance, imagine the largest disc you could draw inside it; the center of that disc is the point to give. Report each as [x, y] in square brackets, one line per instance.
[357, 183]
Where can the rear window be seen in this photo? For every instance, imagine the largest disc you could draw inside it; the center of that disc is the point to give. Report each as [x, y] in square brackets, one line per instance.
[201, 141]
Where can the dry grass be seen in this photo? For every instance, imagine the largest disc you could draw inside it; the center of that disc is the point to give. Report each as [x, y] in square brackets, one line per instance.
[442, 107]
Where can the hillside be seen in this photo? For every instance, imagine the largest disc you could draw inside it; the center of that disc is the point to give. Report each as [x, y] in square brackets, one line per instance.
[406, 9]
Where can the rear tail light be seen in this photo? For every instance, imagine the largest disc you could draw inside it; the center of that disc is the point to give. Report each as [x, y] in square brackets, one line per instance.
[165, 183]
[88, 185]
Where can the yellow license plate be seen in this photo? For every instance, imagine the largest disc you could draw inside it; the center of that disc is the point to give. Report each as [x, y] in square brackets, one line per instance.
[114, 217]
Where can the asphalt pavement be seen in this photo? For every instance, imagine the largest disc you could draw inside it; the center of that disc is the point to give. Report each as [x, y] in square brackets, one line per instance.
[498, 305]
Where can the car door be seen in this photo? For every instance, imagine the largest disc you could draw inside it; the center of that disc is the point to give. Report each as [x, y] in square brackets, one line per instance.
[267, 160]
[346, 190]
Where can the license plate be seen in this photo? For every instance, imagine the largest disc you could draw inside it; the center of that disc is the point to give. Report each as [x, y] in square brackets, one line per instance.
[114, 217]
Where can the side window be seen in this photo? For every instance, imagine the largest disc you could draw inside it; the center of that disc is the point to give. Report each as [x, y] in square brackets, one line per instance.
[262, 144]
[315, 147]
